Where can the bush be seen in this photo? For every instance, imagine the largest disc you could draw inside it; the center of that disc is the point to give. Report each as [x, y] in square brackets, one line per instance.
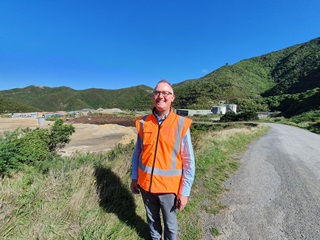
[33, 146]
[248, 116]
[27, 147]
[244, 116]
[229, 117]
[9, 151]
[59, 135]
[311, 116]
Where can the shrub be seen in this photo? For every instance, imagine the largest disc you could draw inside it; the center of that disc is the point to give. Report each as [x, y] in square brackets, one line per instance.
[229, 117]
[33, 146]
[9, 151]
[27, 147]
[311, 116]
[59, 135]
[248, 116]
[244, 116]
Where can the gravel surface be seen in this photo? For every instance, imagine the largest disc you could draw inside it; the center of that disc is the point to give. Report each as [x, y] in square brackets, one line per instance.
[275, 194]
[99, 136]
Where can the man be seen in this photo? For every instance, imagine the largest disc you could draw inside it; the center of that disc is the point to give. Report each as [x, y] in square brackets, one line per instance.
[163, 165]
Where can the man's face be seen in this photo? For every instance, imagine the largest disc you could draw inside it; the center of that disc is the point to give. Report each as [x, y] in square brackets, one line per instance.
[163, 97]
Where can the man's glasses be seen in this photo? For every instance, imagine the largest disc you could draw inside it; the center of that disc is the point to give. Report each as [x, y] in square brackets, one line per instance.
[164, 93]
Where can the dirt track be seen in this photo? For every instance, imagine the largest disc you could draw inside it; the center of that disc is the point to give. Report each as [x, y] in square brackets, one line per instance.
[275, 192]
[87, 137]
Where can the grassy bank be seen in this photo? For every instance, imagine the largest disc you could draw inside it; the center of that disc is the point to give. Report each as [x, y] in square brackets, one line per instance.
[308, 120]
[88, 196]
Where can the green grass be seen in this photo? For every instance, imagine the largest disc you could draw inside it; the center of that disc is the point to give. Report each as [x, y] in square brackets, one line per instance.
[87, 196]
[308, 120]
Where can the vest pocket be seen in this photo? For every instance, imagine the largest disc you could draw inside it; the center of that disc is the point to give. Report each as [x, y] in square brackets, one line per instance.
[148, 137]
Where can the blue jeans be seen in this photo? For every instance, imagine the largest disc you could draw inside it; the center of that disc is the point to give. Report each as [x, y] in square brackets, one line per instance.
[153, 203]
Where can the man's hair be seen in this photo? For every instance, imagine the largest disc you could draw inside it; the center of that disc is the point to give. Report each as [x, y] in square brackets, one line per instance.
[165, 81]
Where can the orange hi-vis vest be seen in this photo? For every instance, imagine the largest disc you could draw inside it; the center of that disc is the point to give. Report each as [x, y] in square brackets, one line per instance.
[160, 162]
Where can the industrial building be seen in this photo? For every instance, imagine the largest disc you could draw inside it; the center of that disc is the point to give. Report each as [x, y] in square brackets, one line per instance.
[221, 109]
[224, 108]
[191, 112]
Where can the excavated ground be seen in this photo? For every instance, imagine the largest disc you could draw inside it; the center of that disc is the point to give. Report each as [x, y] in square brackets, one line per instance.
[92, 134]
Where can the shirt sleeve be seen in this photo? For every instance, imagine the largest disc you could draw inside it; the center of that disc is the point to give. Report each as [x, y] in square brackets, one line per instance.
[188, 165]
[135, 158]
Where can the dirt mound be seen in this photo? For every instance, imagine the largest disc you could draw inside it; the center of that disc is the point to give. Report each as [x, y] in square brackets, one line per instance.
[106, 119]
[92, 134]
[100, 133]
[96, 138]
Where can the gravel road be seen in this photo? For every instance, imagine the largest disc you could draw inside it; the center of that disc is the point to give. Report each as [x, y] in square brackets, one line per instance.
[275, 194]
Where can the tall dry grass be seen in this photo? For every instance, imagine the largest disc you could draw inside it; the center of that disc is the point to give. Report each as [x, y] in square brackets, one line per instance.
[87, 196]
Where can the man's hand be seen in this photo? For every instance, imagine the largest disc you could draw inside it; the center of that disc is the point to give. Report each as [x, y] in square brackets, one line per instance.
[134, 187]
[181, 202]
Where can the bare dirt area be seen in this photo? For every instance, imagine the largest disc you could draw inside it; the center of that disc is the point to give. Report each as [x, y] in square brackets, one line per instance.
[92, 134]
[106, 119]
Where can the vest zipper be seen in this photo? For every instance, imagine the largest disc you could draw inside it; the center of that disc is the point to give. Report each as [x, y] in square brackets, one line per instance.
[154, 159]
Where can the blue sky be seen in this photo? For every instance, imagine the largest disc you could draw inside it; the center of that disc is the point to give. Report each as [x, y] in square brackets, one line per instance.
[113, 44]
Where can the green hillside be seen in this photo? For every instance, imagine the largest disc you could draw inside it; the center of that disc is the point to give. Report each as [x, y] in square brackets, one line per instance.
[287, 80]
[11, 106]
[64, 98]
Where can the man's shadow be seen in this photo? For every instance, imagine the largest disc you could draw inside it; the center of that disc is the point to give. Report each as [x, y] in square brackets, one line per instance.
[116, 198]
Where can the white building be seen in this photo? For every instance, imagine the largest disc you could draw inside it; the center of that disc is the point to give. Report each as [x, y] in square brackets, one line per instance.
[191, 112]
[231, 108]
[224, 108]
[221, 109]
[25, 115]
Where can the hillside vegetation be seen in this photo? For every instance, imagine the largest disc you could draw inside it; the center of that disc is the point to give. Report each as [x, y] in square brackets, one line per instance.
[65, 98]
[287, 80]
[8, 105]
[87, 196]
